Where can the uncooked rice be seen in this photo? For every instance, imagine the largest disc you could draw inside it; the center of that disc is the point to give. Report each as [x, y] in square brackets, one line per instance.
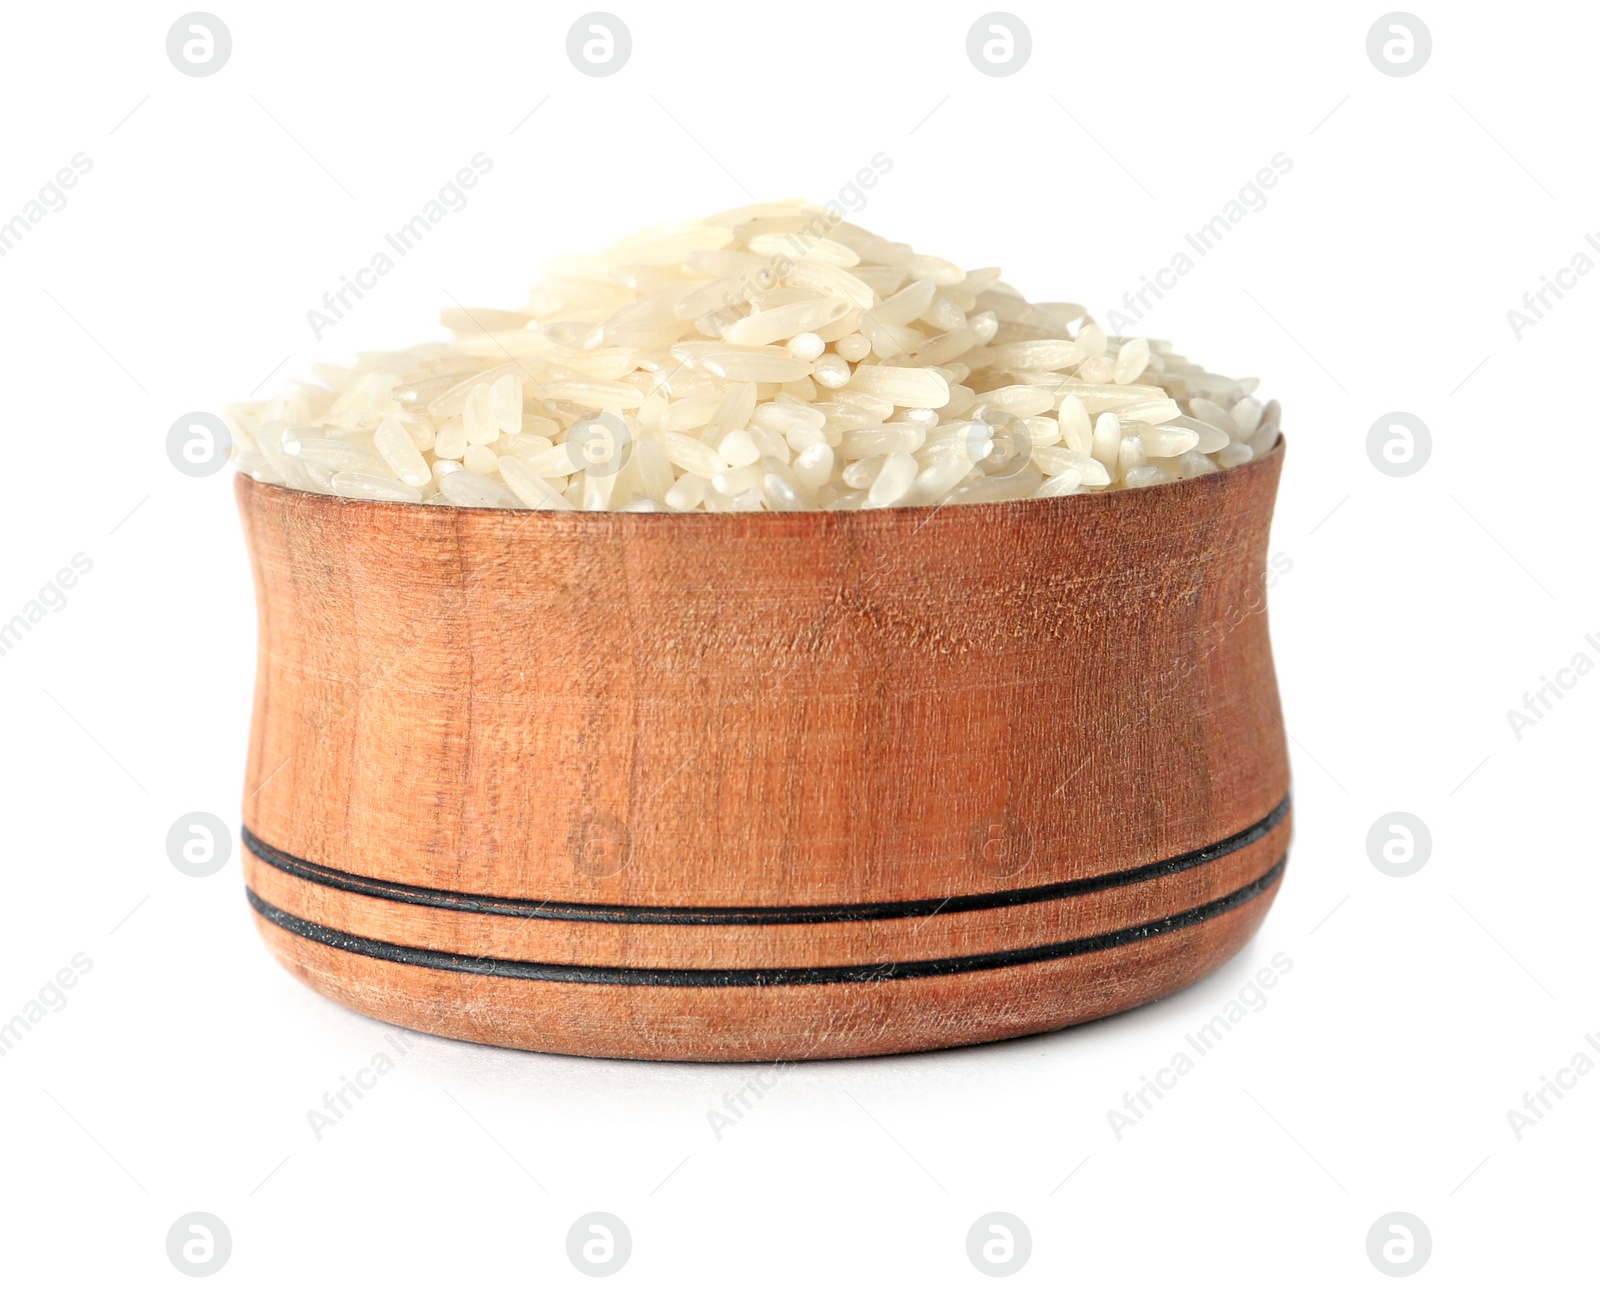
[768, 358]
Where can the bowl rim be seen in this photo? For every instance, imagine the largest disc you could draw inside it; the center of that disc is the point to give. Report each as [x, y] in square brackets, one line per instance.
[917, 518]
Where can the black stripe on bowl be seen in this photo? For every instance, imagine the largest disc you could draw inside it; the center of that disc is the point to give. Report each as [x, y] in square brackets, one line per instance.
[591, 975]
[525, 908]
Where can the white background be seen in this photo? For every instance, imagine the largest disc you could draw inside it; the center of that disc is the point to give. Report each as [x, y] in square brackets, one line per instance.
[1418, 611]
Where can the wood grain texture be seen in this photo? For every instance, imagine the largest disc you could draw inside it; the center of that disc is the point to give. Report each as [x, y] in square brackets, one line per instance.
[769, 1023]
[770, 711]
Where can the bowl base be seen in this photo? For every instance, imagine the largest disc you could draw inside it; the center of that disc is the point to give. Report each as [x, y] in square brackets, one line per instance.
[414, 968]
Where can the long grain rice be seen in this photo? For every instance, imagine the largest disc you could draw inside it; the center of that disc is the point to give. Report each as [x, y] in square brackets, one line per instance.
[768, 358]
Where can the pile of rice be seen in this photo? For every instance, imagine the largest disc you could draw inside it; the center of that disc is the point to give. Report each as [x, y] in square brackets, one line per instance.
[772, 358]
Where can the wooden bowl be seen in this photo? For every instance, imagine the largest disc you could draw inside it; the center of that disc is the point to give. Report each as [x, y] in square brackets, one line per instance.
[770, 786]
